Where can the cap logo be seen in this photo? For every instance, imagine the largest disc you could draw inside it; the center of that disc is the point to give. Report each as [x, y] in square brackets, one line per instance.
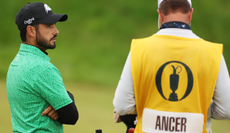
[47, 8]
[29, 21]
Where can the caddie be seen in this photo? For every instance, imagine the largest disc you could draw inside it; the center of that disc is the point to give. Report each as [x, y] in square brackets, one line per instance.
[174, 80]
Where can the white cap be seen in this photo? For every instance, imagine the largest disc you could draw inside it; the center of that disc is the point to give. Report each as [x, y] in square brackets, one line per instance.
[159, 2]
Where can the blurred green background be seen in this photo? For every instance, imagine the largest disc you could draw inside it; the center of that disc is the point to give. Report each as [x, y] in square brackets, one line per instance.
[92, 48]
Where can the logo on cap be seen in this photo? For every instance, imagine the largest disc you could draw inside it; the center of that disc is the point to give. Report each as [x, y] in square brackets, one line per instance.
[47, 8]
[29, 21]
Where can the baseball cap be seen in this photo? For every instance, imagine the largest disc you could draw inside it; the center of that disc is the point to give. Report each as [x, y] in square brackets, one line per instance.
[37, 12]
[159, 2]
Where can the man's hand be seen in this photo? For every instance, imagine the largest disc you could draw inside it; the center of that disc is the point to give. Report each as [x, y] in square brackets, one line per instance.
[51, 113]
[116, 117]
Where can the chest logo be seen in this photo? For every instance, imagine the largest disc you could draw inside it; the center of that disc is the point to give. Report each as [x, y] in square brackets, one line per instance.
[180, 77]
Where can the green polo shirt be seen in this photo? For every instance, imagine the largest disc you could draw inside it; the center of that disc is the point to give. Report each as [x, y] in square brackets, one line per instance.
[33, 83]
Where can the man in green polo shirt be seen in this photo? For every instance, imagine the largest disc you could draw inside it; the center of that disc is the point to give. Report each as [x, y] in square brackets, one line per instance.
[39, 101]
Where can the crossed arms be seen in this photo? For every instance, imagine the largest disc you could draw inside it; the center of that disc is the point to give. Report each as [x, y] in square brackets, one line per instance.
[65, 115]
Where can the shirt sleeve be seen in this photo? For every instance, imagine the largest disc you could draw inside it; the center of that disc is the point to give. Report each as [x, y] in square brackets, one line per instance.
[220, 108]
[69, 113]
[124, 101]
[51, 87]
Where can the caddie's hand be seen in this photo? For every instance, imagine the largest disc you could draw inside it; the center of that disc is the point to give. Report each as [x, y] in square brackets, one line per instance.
[116, 117]
[51, 113]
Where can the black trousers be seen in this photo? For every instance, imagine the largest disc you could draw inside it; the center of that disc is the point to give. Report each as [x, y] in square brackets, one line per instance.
[128, 120]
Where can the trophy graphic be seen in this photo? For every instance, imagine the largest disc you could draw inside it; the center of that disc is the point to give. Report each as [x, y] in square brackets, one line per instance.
[174, 81]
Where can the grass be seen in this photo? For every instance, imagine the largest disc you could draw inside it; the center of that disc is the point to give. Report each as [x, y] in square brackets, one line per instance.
[95, 40]
[220, 126]
[95, 110]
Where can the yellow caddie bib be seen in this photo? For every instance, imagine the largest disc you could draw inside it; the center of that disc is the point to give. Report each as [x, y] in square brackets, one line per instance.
[174, 80]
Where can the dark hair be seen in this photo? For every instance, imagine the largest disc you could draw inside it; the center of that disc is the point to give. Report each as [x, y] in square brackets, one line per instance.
[173, 6]
[23, 32]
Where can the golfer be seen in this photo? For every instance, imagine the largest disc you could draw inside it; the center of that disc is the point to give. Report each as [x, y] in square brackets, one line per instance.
[174, 80]
[38, 99]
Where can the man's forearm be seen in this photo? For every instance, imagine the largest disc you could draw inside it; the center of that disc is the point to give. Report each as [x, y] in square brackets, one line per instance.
[220, 106]
[69, 113]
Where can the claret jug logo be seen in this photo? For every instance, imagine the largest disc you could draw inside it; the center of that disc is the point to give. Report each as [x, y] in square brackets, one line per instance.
[177, 79]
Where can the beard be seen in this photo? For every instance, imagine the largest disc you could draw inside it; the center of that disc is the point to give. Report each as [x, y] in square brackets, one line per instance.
[44, 43]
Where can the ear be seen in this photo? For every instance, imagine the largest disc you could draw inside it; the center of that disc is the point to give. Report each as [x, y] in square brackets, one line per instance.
[161, 18]
[31, 31]
[190, 15]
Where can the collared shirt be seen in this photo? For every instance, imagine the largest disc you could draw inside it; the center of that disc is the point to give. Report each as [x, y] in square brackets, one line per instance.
[124, 100]
[33, 83]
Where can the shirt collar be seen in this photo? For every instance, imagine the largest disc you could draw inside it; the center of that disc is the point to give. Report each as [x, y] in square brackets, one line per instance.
[34, 50]
[178, 32]
[175, 24]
